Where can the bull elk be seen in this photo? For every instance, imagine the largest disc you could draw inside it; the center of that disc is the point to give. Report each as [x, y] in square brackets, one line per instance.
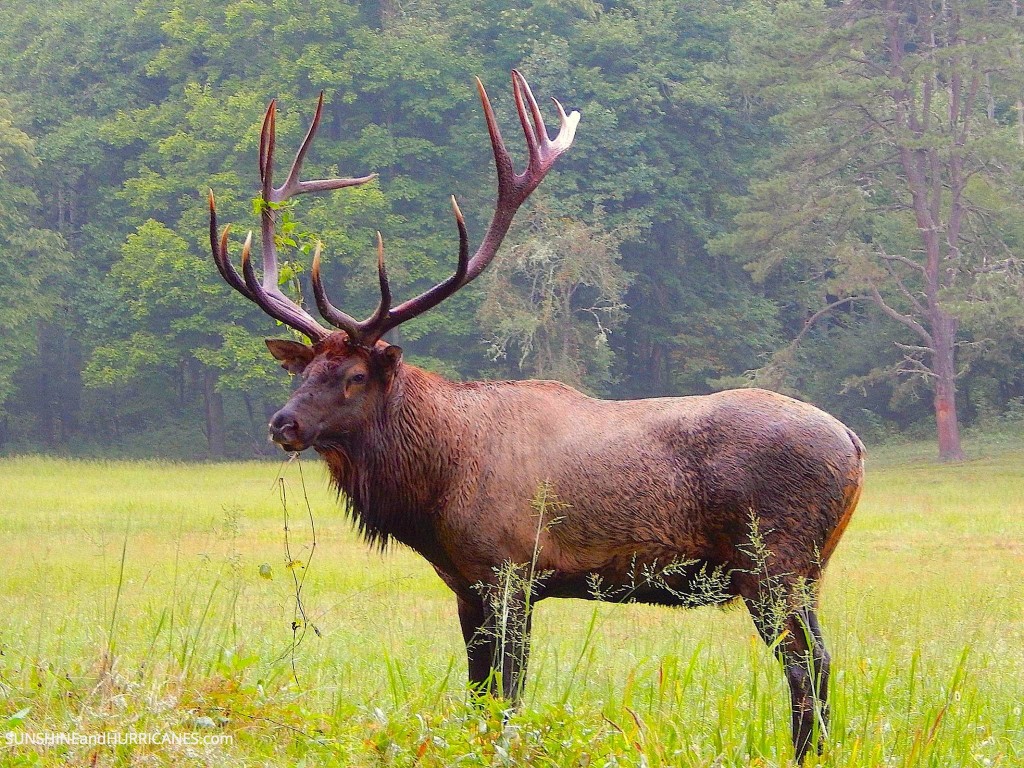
[656, 498]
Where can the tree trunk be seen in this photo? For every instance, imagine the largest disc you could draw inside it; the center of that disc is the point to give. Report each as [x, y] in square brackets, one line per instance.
[115, 420]
[944, 368]
[214, 415]
[258, 430]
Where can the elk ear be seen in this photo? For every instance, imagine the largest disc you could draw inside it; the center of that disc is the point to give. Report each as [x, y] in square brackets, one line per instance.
[294, 357]
[389, 358]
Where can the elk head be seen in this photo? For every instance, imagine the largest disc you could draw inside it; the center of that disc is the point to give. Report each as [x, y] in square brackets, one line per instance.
[346, 373]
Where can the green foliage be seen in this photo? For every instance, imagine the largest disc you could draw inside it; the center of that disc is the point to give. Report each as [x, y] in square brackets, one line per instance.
[121, 363]
[710, 201]
[897, 164]
[31, 258]
[553, 300]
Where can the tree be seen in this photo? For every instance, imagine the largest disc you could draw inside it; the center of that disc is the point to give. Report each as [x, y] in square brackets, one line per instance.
[898, 167]
[31, 257]
[552, 299]
[660, 147]
[66, 68]
[173, 320]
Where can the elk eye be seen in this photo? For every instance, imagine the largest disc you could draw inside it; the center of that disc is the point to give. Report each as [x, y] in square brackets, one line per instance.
[358, 378]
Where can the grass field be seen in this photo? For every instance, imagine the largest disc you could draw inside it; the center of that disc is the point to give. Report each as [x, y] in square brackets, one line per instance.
[135, 598]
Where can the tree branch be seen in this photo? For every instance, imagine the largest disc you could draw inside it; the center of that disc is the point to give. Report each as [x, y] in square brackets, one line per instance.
[913, 365]
[899, 317]
[810, 321]
[904, 290]
[914, 348]
[903, 260]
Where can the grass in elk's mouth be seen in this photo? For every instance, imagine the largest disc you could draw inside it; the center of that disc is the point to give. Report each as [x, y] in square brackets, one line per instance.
[135, 600]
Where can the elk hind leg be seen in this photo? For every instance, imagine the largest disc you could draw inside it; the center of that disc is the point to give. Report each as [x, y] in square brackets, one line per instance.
[787, 621]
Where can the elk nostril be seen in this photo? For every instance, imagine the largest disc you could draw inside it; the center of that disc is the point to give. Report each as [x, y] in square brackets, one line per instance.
[283, 425]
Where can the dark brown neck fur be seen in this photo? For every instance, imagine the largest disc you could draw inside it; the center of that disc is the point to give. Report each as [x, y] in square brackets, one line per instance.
[396, 470]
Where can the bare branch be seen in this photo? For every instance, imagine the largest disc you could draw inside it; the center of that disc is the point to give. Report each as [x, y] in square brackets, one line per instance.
[827, 309]
[903, 260]
[899, 317]
[911, 365]
[903, 289]
[914, 348]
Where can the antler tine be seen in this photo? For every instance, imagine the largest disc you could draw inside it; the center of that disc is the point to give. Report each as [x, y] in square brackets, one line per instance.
[270, 299]
[534, 133]
[268, 296]
[502, 159]
[460, 222]
[375, 325]
[384, 319]
[220, 253]
[266, 293]
[293, 185]
[543, 154]
[566, 128]
[331, 314]
[268, 138]
[292, 182]
[548, 150]
[538, 118]
[384, 305]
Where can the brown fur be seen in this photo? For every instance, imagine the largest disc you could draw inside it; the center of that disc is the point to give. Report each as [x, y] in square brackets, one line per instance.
[452, 469]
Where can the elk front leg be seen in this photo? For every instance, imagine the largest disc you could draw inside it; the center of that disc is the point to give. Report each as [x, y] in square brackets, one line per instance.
[512, 621]
[479, 643]
[496, 629]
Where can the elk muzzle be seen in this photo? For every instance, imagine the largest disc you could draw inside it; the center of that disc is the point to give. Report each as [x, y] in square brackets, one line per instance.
[284, 430]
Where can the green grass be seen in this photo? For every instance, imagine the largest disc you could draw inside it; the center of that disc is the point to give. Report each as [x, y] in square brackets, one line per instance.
[132, 600]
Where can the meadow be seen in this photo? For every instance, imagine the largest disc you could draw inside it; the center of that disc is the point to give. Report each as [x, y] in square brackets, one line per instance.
[160, 598]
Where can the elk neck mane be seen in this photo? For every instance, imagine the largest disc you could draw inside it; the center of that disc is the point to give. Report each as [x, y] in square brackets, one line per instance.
[393, 474]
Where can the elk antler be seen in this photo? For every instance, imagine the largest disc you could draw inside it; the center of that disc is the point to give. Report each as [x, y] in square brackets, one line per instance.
[267, 295]
[513, 189]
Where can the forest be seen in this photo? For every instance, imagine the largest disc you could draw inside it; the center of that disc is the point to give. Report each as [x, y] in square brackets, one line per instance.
[820, 198]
